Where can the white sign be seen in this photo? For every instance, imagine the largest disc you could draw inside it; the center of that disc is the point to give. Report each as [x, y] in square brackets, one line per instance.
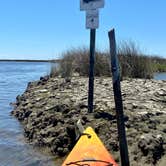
[92, 19]
[91, 4]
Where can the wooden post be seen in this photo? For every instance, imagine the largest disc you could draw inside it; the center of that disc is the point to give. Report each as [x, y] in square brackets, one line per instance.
[118, 100]
[91, 70]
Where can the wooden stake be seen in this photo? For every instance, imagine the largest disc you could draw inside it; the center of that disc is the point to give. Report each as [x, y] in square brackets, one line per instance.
[91, 70]
[118, 100]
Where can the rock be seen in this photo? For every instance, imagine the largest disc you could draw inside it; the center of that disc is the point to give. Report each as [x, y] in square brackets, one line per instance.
[41, 91]
[152, 124]
[114, 146]
[67, 80]
[39, 114]
[151, 146]
[19, 99]
[44, 79]
[85, 119]
[134, 105]
[104, 115]
[164, 130]
[48, 141]
[27, 114]
[61, 151]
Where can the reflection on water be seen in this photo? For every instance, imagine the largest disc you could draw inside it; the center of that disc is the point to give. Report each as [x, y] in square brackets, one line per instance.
[14, 77]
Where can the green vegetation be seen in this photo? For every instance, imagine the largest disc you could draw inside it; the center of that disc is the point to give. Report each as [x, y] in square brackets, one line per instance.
[133, 63]
[159, 64]
[77, 61]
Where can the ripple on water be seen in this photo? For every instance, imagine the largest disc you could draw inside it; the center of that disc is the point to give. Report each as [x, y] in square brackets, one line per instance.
[28, 157]
[14, 151]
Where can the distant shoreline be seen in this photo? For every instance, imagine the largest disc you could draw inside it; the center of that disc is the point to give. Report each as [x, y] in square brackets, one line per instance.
[27, 60]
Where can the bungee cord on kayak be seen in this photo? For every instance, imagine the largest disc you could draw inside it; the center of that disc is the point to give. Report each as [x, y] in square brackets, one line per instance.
[100, 161]
[86, 134]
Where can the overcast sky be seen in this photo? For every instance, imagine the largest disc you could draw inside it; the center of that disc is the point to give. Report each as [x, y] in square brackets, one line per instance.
[43, 29]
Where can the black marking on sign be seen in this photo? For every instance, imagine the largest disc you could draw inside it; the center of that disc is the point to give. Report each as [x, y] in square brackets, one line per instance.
[87, 1]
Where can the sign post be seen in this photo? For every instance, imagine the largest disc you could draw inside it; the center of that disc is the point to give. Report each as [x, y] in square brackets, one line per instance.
[91, 70]
[92, 22]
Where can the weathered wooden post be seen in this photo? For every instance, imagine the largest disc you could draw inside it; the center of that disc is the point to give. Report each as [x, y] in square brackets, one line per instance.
[118, 100]
[92, 22]
[91, 70]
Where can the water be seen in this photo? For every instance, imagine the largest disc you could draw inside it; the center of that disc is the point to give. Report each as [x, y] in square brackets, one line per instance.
[14, 151]
[160, 76]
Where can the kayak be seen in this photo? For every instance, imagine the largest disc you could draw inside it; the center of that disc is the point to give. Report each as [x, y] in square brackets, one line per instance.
[89, 151]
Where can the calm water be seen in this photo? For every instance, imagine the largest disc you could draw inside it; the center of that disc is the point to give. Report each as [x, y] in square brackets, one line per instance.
[14, 77]
[160, 76]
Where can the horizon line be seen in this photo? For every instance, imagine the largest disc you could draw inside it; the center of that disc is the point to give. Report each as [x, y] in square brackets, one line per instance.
[29, 60]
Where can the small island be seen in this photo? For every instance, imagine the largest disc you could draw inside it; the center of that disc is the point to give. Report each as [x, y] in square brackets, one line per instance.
[50, 108]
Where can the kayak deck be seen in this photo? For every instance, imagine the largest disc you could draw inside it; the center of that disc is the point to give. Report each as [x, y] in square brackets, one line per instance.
[89, 151]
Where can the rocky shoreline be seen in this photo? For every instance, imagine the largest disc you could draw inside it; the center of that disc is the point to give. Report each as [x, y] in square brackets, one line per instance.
[50, 108]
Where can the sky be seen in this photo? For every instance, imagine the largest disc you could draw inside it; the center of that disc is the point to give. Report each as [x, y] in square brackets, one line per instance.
[43, 29]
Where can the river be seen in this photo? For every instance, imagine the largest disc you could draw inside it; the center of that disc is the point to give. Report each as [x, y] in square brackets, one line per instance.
[14, 151]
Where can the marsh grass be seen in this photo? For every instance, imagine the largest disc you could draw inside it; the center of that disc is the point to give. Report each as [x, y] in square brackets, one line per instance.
[159, 64]
[133, 63]
[77, 61]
